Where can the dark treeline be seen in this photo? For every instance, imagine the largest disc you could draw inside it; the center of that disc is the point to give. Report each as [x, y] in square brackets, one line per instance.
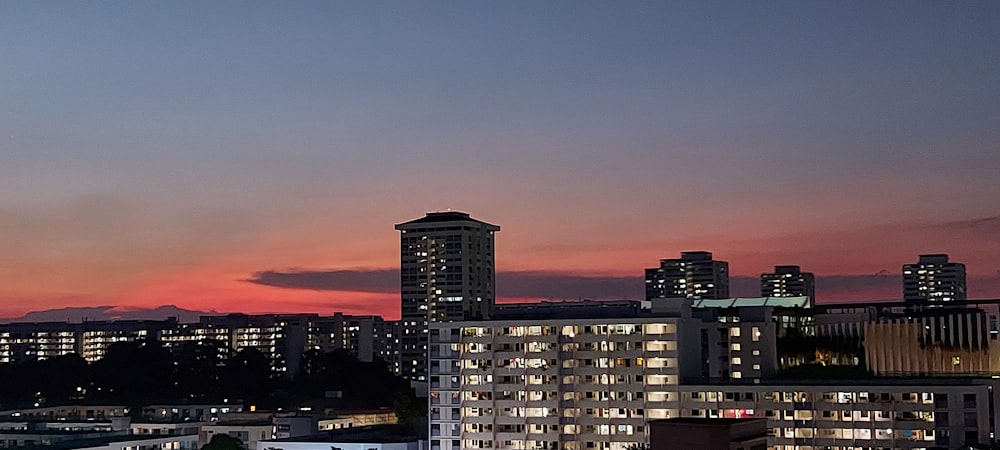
[140, 373]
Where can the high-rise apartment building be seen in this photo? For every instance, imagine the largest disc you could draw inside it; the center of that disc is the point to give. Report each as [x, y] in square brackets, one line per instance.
[693, 275]
[933, 279]
[573, 384]
[446, 273]
[788, 281]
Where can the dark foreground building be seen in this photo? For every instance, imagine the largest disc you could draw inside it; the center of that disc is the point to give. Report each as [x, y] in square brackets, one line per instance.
[708, 434]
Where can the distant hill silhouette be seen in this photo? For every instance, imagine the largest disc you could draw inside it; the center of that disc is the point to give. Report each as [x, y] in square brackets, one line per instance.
[99, 313]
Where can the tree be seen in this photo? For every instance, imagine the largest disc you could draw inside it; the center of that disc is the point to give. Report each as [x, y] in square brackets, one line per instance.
[248, 375]
[408, 406]
[199, 368]
[135, 373]
[362, 384]
[223, 442]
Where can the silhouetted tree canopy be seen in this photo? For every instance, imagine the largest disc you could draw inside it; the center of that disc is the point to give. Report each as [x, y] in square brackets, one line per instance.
[223, 442]
[141, 373]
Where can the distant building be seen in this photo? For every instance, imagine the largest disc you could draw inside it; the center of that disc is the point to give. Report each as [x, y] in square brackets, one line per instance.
[688, 433]
[30, 341]
[446, 273]
[788, 281]
[364, 337]
[693, 275]
[281, 337]
[187, 413]
[934, 279]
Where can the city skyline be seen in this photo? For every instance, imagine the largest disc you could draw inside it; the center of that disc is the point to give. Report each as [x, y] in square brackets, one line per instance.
[254, 158]
[547, 285]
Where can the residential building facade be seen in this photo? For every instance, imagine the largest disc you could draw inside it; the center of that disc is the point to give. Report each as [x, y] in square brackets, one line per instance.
[556, 384]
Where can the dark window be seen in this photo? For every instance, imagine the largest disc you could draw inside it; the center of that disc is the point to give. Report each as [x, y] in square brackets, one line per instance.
[969, 400]
[941, 437]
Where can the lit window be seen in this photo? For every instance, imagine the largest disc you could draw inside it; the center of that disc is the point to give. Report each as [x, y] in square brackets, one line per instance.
[734, 331]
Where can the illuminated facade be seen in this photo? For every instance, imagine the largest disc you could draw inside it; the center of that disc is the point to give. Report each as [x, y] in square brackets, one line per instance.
[174, 338]
[36, 341]
[567, 384]
[282, 338]
[693, 275]
[95, 343]
[904, 414]
[446, 273]
[934, 279]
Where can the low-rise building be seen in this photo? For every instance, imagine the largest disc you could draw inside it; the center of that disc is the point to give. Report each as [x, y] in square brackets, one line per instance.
[189, 412]
[166, 428]
[385, 437]
[248, 432]
[68, 412]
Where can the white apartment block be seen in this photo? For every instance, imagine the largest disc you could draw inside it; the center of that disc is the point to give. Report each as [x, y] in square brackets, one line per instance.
[896, 414]
[568, 384]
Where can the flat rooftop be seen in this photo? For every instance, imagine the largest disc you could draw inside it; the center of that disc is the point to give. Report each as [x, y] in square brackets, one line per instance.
[383, 434]
[860, 382]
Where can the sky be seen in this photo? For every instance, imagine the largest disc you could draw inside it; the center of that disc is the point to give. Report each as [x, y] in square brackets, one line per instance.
[254, 156]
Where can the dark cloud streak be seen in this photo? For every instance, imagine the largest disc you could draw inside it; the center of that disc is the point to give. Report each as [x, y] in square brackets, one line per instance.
[374, 280]
[551, 285]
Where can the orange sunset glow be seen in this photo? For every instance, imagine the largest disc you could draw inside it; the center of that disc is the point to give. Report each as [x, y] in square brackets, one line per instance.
[255, 159]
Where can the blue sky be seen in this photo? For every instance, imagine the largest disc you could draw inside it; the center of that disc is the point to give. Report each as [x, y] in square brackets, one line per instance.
[151, 141]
